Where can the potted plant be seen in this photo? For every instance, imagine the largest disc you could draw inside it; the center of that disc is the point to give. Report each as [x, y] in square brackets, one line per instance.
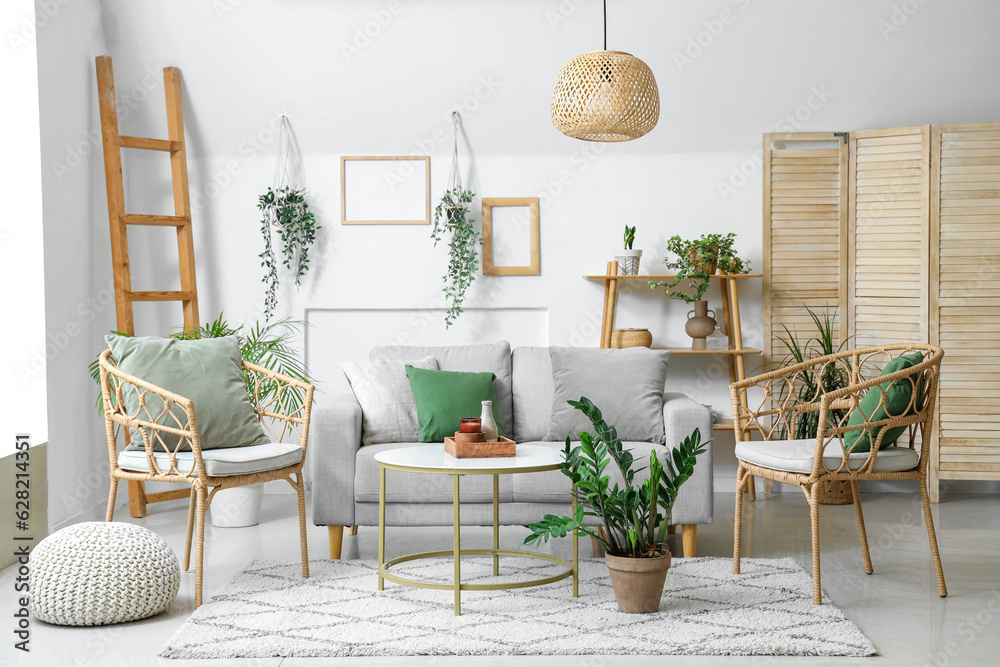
[696, 261]
[452, 216]
[633, 518]
[628, 259]
[286, 210]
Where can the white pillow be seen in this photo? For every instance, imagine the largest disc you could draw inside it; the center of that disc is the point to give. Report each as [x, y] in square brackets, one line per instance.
[388, 411]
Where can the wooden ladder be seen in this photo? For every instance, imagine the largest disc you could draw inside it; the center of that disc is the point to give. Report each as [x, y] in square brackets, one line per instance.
[120, 220]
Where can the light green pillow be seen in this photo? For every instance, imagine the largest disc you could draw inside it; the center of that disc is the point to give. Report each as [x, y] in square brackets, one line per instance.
[897, 397]
[208, 371]
[444, 397]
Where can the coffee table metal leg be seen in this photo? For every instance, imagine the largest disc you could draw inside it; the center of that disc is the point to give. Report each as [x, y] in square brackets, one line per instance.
[381, 525]
[496, 524]
[458, 548]
[576, 552]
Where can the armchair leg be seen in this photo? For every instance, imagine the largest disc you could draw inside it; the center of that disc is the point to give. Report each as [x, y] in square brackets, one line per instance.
[751, 488]
[353, 530]
[929, 520]
[689, 536]
[300, 488]
[190, 528]
[741, 476]
[199, 546]
[336, 541]
[112, 496]
[812, 495]
[861, 527]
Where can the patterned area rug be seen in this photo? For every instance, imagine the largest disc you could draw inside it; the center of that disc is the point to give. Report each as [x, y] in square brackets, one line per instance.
[268, 610]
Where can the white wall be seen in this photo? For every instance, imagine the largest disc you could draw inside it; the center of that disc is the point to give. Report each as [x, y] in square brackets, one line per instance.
[761, 66]
[22, 390]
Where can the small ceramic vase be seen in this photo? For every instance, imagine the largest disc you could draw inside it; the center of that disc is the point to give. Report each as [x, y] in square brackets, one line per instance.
[488, 424]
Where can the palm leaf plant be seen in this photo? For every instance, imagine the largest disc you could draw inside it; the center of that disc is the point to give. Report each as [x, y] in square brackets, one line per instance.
[269, 345]
[634, 516]
[810, 387]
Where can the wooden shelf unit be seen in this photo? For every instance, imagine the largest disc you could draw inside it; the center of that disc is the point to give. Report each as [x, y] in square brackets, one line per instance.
[728, 286]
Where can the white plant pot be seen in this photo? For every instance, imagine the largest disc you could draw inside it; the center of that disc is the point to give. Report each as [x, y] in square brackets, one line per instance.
[237, 507]
[628, 262]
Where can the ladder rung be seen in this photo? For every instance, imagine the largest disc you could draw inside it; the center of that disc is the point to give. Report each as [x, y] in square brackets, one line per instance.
[159, 296]
[160, 220]
[145, 143]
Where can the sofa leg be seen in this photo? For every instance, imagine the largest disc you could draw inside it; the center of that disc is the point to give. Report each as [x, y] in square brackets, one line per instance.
[689, 536]
[336, 540]
[353, 530]
[597, 547]
[671, 529]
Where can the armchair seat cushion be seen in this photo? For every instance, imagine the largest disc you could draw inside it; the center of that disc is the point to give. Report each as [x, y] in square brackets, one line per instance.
[797, 456]
[223, 462]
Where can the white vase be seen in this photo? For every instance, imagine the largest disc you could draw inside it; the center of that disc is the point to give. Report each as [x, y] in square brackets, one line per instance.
[237, 507]
[487, 424]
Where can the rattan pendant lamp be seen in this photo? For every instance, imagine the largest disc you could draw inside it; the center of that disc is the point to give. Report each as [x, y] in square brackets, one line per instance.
[605, 96]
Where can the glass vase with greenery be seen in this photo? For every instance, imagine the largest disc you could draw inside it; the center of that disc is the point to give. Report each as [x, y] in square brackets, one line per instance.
[697, 260]
[452, 216]
[634, 517]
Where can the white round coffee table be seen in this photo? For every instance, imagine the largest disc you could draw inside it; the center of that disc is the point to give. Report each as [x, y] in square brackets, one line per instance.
[433, 460]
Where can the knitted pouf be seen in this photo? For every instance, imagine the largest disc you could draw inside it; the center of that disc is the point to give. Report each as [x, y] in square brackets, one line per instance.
[97, 573]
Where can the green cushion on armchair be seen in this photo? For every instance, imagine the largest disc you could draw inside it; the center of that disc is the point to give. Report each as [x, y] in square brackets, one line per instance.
[897, 398]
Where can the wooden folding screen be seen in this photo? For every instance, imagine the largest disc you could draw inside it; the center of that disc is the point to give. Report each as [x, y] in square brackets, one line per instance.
[805, 232]
[915, 258]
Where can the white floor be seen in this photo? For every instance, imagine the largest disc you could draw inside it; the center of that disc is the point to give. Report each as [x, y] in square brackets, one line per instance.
[898, 607]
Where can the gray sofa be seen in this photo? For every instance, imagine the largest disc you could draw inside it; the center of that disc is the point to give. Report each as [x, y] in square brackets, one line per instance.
[345, 475]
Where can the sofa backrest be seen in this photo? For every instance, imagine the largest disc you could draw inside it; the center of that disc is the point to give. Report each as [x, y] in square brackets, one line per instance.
[493, 357]
[533, 389]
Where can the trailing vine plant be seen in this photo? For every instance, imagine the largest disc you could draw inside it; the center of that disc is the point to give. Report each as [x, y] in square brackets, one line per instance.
[453, 215]
[287, 210]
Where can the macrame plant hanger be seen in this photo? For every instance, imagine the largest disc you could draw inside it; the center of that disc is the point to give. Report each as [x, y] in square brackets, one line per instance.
[288, 169]
[455, 174]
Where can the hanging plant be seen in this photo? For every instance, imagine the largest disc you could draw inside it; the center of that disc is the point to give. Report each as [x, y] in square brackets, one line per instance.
[285, 208]
[452, 216]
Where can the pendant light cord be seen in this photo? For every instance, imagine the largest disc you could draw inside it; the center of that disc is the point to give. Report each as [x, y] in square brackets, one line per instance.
[605, 25]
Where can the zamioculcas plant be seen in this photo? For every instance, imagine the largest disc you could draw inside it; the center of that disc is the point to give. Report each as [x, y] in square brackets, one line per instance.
[452, 216]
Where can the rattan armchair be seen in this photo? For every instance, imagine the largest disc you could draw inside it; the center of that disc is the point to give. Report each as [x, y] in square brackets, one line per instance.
[789, 396]
[244, 465]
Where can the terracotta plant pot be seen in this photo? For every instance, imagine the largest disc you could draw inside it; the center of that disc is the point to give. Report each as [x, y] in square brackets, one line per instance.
[638, 582]
[708, 263]
[700, 325]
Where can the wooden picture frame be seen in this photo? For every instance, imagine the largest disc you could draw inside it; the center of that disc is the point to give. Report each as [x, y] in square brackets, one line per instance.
[390, 219]
[489, 268]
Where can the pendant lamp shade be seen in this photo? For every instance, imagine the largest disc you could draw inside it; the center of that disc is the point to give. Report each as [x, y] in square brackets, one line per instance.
[605, 96]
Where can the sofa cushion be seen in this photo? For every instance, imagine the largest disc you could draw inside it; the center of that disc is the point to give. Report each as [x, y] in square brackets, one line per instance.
[627, 386]
[208, 372]
[444, 398]
[531, 368]
[221, 462]
[492, 357]
[798, 455]
[415, 488]
[388, 411]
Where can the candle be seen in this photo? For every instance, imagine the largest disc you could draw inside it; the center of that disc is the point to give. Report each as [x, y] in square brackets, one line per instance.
[470, 425]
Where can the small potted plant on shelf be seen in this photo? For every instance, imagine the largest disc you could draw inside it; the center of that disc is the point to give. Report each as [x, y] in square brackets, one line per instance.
[697, 260]
[633, 517]
[628, 259]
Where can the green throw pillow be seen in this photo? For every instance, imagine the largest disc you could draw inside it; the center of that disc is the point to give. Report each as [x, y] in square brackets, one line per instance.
[209, 372]
[896, 399]
[444, 397]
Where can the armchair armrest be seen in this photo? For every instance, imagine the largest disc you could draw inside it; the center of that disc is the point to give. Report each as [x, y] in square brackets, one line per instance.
[336, 434]
[681, 416]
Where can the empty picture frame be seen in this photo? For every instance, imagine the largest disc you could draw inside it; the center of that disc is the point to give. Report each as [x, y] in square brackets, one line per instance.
[385, 190]
[510, 234]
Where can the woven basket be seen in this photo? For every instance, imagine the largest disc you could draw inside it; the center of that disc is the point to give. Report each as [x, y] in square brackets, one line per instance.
[622, 338]
[835, 493]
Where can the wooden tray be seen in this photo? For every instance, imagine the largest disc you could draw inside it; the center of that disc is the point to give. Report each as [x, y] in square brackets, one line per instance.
[504, 447]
